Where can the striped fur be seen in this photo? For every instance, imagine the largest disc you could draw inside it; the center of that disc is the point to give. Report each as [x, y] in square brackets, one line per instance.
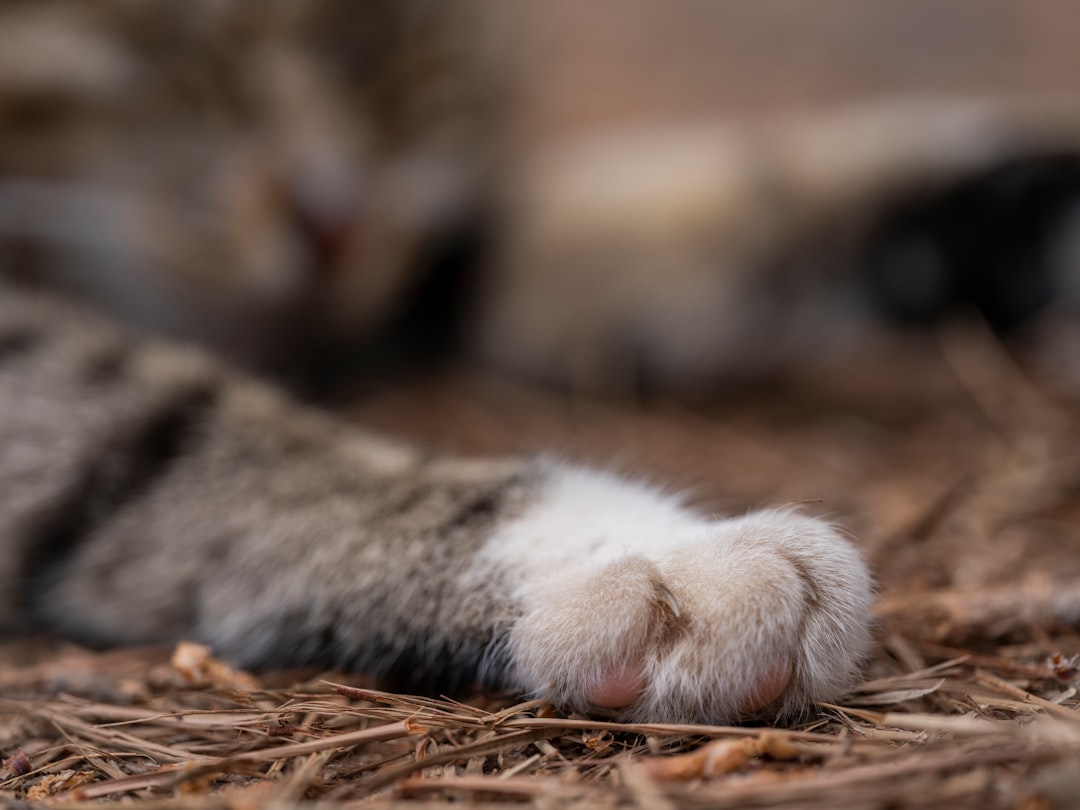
[147, 493]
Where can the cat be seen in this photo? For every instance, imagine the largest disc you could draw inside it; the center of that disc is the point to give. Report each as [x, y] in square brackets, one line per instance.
[241, 198]
[317, 192]
[283, 183]
[148, 493]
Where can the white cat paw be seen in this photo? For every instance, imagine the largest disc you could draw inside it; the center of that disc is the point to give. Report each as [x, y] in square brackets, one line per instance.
[683, 618]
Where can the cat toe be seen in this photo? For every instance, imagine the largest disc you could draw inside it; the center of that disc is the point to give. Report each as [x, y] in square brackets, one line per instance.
[586, 645]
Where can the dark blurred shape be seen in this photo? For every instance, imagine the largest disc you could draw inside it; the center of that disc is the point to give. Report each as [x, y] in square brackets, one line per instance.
[988, 240]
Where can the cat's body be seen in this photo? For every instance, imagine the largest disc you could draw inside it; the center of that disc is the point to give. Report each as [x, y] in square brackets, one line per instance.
[302, 186]
[147, 493]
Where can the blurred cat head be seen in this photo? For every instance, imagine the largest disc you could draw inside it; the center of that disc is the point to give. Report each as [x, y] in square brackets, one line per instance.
[266, 178]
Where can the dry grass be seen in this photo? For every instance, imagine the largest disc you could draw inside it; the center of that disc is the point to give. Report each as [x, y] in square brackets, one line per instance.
[960, 487]
[975, 730]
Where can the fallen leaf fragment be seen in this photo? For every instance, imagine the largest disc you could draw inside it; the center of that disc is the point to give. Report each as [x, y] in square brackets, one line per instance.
[18, 764]
[719, 757]
[55, 783]
[600, 742]
[1066, 668]
[197, 665]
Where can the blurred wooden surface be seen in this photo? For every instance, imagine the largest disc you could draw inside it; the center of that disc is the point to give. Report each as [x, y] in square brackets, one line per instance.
[589, 66]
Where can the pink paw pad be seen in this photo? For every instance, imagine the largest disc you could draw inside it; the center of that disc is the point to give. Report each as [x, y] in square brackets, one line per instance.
[618, 687]
[770, 687]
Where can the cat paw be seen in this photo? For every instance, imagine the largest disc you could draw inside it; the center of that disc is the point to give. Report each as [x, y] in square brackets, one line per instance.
[712, 622]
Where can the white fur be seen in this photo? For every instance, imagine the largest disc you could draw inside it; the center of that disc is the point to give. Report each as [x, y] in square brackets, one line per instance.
[611, 573]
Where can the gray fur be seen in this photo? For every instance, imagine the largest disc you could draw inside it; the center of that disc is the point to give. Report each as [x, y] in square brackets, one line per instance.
[149, 494]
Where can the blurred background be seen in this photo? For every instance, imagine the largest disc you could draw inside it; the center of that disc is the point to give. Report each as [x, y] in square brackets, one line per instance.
[767, 250]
